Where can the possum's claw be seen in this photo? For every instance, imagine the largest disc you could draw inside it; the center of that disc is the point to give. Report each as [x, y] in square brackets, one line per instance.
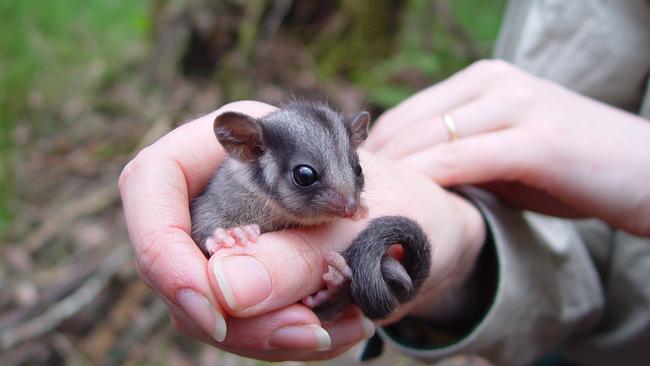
[337, 280]
[240, 235]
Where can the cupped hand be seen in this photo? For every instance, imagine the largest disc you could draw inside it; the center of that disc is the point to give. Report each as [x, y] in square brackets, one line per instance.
[536, 144]
[246, 301]
[156, 187]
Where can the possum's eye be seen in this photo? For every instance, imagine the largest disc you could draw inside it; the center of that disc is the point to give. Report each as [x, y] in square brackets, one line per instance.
[304, 175]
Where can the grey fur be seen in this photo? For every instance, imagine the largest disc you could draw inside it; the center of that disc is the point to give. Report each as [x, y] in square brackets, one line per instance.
[254, 186]
[380, 283]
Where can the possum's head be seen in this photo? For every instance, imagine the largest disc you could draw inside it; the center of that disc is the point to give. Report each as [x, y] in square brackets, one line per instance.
[303, 155]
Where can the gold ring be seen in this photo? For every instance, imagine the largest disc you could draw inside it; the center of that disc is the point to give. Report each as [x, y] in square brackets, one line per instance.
[451, 126]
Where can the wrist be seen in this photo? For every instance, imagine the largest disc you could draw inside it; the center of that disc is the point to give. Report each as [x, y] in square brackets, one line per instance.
[474, 230]
[451, 273]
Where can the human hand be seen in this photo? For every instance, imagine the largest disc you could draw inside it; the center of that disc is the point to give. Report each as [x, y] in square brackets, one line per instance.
[534, 143]
[263, 318]
[156, 188]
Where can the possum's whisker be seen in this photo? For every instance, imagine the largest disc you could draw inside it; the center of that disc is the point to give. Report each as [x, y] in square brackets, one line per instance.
[372, 180]
[373, 160]
[265, 219]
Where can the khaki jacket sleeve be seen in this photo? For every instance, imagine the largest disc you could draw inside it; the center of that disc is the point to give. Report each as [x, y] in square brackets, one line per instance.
[575, 288]
[622, 335]
[645, 106]
[547, 290]
[600, 49]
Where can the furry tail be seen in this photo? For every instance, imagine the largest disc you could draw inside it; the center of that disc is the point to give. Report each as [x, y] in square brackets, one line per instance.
[380, 282]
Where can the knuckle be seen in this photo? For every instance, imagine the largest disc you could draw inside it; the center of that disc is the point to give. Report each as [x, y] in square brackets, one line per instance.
[135, 164]
[145, 262]
[520, 96]
[529, 167]
[126, 172]
[449, 162]
[149, 255]
[492, 67]
[143, 274]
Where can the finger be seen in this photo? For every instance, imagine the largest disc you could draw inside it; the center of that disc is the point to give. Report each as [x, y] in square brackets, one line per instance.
[436, 100]
[484, 114]
[292, 327]
[530, 198]
[292, 333]
[184, 324]
[345, 332]
[350, 328]
[282, 268]
[501, 155]
[155, 189]
[156, 209]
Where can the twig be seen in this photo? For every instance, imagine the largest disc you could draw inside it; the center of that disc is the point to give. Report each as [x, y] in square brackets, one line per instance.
[93, 202]
[102, 197]
[172, 38]
[69, 306]
[276, 15]
[72, 355]
[153, 318]
[81, 273]
[456, 29]
[97, 344]
[147, 350]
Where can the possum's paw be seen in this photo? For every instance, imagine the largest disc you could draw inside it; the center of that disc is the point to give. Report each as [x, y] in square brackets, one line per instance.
[227, 238]
[337, 280]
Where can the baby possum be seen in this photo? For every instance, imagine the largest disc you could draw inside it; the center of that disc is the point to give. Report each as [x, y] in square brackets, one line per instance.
[298, 167]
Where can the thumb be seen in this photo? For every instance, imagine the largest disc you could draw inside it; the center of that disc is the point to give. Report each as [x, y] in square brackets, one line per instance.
[476, 159]
[280, 269]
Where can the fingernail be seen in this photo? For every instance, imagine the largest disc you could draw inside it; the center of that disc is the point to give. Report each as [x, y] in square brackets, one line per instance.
[351, 330]
[200, 309]
[243, 280]
[368, 327]
[311, 337]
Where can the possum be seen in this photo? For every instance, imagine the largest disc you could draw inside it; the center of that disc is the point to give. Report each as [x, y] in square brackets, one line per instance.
[298, 167]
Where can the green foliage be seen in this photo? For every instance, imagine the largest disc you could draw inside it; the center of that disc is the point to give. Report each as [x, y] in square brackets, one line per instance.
[51, 51]
[357, 36]
[428, 49]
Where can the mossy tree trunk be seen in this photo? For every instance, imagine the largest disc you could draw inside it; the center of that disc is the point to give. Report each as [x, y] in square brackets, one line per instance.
[217, 41]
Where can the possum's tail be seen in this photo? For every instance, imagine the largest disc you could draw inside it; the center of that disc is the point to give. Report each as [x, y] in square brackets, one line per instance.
[380, 282]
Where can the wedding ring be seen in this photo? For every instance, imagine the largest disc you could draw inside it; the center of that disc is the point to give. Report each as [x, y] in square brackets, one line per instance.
[451, 126]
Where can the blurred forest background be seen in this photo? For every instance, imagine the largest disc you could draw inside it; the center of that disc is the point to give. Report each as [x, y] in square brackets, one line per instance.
[85, 85]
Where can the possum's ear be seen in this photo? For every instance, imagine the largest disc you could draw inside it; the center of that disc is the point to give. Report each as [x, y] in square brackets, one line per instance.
[240, 135]
[358, 128]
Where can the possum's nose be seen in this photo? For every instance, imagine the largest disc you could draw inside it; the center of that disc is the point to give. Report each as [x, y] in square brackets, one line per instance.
[349, 206]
